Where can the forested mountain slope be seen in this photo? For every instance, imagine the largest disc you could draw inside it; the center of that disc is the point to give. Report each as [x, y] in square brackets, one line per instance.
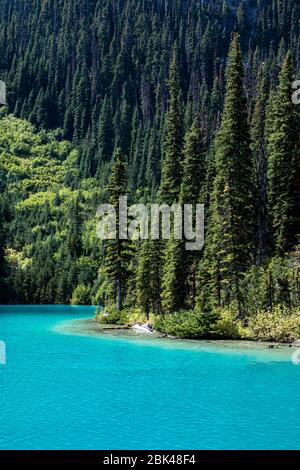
[184, 101]
[41, 215]
[99, 69]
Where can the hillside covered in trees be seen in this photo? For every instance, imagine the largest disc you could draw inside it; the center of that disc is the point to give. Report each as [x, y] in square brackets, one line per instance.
[166, 101]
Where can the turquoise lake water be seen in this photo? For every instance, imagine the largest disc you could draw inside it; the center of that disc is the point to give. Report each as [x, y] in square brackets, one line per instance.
[65, 389]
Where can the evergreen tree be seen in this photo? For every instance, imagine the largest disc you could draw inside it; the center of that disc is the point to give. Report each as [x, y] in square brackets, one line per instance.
[193, 166]
[258, 146]
[192, 192]
[117, 252]
[179, 275]
[99, 71]
[105, 134]
[229, 245]
[173, 142]
[148, 278]
[2, 240]
[173, 280]
[284, 163]
[74, 235]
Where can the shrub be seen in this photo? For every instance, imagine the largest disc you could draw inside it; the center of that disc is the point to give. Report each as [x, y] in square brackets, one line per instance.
[81, 295]
[275, 283]
[111, 316]
[228, 326]
[20, 149]
[280, 324]
[186, 324]
[126, 317]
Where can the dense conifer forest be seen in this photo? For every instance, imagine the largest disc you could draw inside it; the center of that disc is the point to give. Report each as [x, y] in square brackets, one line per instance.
[184, 101]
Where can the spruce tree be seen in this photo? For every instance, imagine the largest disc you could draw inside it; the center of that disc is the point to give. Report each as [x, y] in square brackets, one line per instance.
[105, 135]
[229, 245]
[2, 240]
[179, 274]
[193, 166]
[192, 192]
[173, 280]
[258, 146]
[284, 162]
[173, 141]
[117, 252]
[148, 278]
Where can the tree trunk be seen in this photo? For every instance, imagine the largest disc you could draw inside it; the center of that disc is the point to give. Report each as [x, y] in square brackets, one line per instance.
[119, 295]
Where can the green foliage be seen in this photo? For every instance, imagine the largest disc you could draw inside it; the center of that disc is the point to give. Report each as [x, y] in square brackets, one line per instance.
[117, 251]
[186, 324]
[173, 281]
[112, 316]
[228, 326]
[45, 231]
[125, 317]
[280, 324]
[173, 141]
[275, 283]
[258, 147]
[284, 162]
[230, 238]
[147, 283]
[125, 81]
[81, 295]
[193, 174]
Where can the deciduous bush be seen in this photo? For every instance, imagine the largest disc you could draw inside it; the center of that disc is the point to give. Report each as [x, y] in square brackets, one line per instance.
[280, 324]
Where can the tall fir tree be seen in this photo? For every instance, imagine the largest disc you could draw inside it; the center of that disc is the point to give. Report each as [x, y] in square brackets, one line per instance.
[229, 245]
[179, 276]
[284, 162]
[2, 240]
[169, 193]
[173, 141]
[105, 135]
[258, 147]
[192, 192]
[148, 278]
[193, 166]
[117, 252]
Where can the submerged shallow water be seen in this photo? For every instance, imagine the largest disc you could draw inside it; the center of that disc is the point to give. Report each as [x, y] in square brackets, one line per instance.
[66, 386]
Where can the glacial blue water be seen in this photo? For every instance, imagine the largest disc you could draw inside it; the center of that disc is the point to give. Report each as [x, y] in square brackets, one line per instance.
[64, 390]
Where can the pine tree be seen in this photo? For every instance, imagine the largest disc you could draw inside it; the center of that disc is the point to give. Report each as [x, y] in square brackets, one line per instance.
[229, 243]
[284, 163]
